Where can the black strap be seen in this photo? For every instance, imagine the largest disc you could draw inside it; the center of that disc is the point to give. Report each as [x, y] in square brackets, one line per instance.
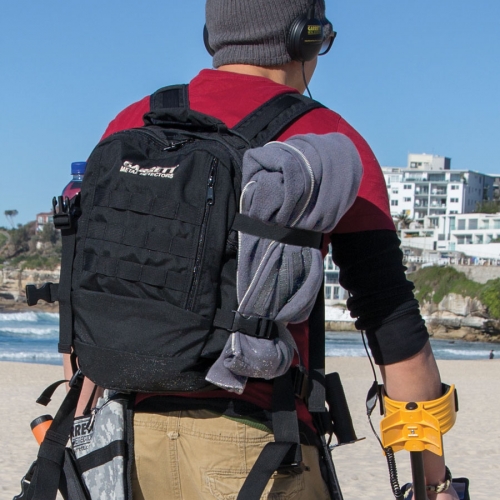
[267, 463]
[71, 485]
[287, 235]
[273, 117]
[285, 452]
[50, 461]
[173, 96]
[316, 399]
[46, 397]
[233, 321]
[64, 293]
[102, 455]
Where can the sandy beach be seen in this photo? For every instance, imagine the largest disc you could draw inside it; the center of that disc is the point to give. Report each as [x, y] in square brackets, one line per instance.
[473, 445]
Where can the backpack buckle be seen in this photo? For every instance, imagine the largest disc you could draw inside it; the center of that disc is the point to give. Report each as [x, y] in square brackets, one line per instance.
[260, 328]
[65, 211]
[47, 292]
[77, 378]
[300, 382]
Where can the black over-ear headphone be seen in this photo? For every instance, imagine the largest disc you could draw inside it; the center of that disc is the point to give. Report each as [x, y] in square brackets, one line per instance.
[305, 36]
[303, 41]
[206, 42]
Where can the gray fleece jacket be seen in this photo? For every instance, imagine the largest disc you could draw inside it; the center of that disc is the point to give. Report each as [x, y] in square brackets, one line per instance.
[307, 182]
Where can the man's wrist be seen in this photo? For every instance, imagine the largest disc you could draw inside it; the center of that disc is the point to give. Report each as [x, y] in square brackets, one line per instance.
[442, 486]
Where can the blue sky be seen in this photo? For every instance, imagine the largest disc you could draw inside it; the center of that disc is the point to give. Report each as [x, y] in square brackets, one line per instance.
[410, 76]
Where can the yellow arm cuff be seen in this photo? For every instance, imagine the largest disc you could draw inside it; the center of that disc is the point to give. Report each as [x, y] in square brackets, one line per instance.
[419, 426]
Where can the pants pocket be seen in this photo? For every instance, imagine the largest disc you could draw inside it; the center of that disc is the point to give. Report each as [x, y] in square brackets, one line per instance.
[225, 484]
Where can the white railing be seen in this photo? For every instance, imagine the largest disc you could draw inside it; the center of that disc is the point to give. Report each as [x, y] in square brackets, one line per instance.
[446, 261]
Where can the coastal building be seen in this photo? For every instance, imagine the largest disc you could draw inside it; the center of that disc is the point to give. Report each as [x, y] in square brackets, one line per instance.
[43, 218]
[428, 187]
[473, 234]
[333, 291]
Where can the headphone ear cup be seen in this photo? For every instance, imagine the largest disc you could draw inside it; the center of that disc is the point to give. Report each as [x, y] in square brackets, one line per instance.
[206, 42]
[304, 39]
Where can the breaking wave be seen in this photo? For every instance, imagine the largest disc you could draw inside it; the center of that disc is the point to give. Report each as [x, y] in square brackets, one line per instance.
[29, 317]
[27, 331]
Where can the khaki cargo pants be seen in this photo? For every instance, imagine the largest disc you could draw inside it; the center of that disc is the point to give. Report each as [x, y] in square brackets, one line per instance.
[199, 455]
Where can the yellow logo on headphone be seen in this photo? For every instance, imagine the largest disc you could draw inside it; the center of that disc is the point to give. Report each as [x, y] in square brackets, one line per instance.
[313, 29]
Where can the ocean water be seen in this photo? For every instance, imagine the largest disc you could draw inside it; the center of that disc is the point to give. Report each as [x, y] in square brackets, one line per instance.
[32, 337]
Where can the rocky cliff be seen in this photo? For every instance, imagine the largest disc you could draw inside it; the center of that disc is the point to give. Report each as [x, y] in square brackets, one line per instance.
[460, 317]
[455, 317]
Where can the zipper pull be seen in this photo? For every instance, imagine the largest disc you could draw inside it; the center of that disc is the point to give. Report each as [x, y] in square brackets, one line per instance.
[210, 189]
[92, 419]
[210, 195]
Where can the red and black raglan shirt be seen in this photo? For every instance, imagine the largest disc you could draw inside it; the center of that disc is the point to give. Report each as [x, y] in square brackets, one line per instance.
[364, 243]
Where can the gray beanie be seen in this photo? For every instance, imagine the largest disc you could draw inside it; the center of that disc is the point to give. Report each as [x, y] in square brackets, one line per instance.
[254, 31]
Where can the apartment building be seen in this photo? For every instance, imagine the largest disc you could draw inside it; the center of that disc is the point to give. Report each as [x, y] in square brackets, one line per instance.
[475, 235]
[428, 187]
[333, 290]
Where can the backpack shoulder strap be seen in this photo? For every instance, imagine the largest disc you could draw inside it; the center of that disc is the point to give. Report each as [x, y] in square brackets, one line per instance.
[173, 96]
[316, 396]
[274, 116]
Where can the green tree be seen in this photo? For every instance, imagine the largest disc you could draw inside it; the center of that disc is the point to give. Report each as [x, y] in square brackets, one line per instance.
[20, 239]
[403, 220]
[488, 207]
[10, 214]
[48, 234]
[490, 297]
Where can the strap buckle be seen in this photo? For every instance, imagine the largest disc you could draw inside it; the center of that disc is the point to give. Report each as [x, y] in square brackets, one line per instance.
[300, 382]
[25, 482]
[260, 328]
[47, 292]
[77, 378]
[65, 211]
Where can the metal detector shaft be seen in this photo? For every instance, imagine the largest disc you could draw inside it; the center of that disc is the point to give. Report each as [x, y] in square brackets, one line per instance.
[417, 471]
[333, 484]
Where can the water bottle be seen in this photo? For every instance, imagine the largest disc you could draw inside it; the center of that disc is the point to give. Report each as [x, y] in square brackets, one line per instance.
[74, 186]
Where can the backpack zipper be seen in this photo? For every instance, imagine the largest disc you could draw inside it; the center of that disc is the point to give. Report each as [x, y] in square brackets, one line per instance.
[167, 145]
[209, 201]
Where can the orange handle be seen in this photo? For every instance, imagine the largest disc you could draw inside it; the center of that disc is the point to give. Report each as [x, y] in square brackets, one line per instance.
[39, 427]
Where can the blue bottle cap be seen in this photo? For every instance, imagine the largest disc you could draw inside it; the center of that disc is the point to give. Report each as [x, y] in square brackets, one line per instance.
[78, 167]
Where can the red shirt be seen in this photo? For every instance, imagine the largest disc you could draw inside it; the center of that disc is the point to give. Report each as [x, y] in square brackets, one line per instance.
[230, 97]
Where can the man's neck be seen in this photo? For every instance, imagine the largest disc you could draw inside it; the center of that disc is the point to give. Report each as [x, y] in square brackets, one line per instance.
[288, 74]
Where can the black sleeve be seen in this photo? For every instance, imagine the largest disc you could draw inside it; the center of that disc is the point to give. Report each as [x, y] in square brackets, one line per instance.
[381, 298]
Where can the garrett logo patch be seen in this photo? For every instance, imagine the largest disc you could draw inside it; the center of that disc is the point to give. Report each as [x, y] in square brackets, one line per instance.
[313, 29]
[163, 172]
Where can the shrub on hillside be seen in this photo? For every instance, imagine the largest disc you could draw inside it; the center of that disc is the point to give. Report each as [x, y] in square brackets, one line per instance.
[433, 283]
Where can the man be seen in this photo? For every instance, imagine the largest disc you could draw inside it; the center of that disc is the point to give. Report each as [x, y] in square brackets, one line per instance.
[189, 450]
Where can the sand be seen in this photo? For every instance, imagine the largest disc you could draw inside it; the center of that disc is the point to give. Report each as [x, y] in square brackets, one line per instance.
[473, 445]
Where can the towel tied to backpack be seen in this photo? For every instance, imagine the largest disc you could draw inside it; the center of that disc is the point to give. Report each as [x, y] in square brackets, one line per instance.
[307, 182]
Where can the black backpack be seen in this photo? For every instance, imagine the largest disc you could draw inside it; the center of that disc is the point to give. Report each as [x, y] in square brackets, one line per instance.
[148, 275]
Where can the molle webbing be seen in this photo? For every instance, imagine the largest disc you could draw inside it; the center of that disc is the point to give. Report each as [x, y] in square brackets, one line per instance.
[142, 238]
[145, 204]
[131, 271]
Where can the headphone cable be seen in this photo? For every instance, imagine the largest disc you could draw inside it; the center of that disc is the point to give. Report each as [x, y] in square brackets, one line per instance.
[304, 78]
